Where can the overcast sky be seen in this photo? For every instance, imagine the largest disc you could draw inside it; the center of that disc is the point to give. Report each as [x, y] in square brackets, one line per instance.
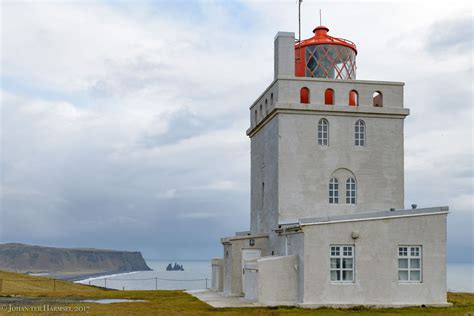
[123, 123]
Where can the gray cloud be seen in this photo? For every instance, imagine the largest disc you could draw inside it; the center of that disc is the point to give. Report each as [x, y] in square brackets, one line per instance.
[451, 36]
[147, 148]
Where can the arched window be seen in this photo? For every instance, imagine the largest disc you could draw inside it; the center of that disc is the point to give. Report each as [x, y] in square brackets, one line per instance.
[271, 98]
[329, 97]
[255, 118]
[333, 191]
[351, 191]
[266, 106]
[304, 95]
[377, 98]
[359, 133]
[323, 132]
[353, 98]
[261, 110]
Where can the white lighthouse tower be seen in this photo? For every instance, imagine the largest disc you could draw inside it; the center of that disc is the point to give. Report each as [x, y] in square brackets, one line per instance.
[327, 218]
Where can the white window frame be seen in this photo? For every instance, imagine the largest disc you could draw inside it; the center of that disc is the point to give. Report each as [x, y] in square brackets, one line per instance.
[359, 133]
[323, 132]
[333, 191]
[410, 254]
[342, 254]
[351, 191]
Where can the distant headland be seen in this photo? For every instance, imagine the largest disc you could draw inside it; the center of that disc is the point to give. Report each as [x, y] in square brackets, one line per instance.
[68, 263]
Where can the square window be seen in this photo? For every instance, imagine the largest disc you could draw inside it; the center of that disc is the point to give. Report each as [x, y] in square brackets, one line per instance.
[403, 263]
[409, 264]
[342, 263]
[414, 263]
[414, 275]
[347, 275]
[347, 263]
[403, 275]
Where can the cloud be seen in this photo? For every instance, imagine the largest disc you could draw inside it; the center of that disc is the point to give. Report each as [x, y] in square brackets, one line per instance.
[123, 125]
[451, 36]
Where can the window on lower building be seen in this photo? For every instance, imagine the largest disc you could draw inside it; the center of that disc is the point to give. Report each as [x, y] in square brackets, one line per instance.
[409, 263]
[351, 191]
[333, 191]
[342, 263]
[323, 132]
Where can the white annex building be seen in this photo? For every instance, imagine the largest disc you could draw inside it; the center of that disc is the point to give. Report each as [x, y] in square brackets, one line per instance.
[328, 224]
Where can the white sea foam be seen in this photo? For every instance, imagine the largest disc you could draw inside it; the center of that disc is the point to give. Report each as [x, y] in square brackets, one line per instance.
[105, 276]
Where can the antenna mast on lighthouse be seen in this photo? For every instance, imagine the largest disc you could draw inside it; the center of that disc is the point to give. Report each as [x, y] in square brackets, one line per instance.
[299, 20]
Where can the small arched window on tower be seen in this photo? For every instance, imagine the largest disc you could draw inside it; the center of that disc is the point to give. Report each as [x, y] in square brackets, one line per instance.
[351, 191]
[377, 98]
[304, 95]
[323, 132]
[333, 191]
[353, 98]
[359, 133]
[271, 98]
[329, 97]
[266, 106]
[255, 118]
[261, 110]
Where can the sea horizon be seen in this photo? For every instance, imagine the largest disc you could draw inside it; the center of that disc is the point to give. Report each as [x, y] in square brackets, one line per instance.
[197, 271]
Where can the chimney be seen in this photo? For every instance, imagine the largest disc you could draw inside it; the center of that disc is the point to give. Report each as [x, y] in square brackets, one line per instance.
[284, 54]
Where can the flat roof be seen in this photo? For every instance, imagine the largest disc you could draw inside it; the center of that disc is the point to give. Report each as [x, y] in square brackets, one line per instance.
[368, 216]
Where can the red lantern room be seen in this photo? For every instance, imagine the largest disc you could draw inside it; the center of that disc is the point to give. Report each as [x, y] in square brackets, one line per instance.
[324, 56]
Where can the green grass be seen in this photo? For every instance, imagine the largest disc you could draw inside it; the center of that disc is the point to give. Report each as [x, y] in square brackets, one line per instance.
[40, 289]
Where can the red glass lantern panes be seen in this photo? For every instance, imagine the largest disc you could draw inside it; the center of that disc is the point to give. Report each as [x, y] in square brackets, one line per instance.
[324, 56]
[330, 61]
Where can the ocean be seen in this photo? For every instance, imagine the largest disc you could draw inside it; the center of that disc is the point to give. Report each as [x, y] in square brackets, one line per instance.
[460, 277]
[192, 278]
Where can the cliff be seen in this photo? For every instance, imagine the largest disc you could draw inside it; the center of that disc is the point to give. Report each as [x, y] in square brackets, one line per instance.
[68, 262]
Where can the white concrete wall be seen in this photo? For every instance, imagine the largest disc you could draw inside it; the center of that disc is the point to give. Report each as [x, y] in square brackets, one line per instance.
[251, 280]
[277, 280]
[376, 262]
[305, 168]
[285, 92]
[227, 269]
[217, 265]
[233, 260]
[296, 170]
[284, 54]
[289, 91]
[264, 170]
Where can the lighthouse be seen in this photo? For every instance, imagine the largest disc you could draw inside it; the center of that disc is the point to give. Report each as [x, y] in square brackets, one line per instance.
[328, 223]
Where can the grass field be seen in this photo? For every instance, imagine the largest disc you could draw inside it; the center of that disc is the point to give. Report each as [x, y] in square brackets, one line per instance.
[36, 293]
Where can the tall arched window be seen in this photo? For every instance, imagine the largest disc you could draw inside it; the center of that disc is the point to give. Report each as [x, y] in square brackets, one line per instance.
[353, 98]
[351, 191]
[271, 98]
[304, 95]
[329, 97]
[266, 106]
[377, 98]
[333, 191]
[323, 132]
[261, 111]
[359, 133]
